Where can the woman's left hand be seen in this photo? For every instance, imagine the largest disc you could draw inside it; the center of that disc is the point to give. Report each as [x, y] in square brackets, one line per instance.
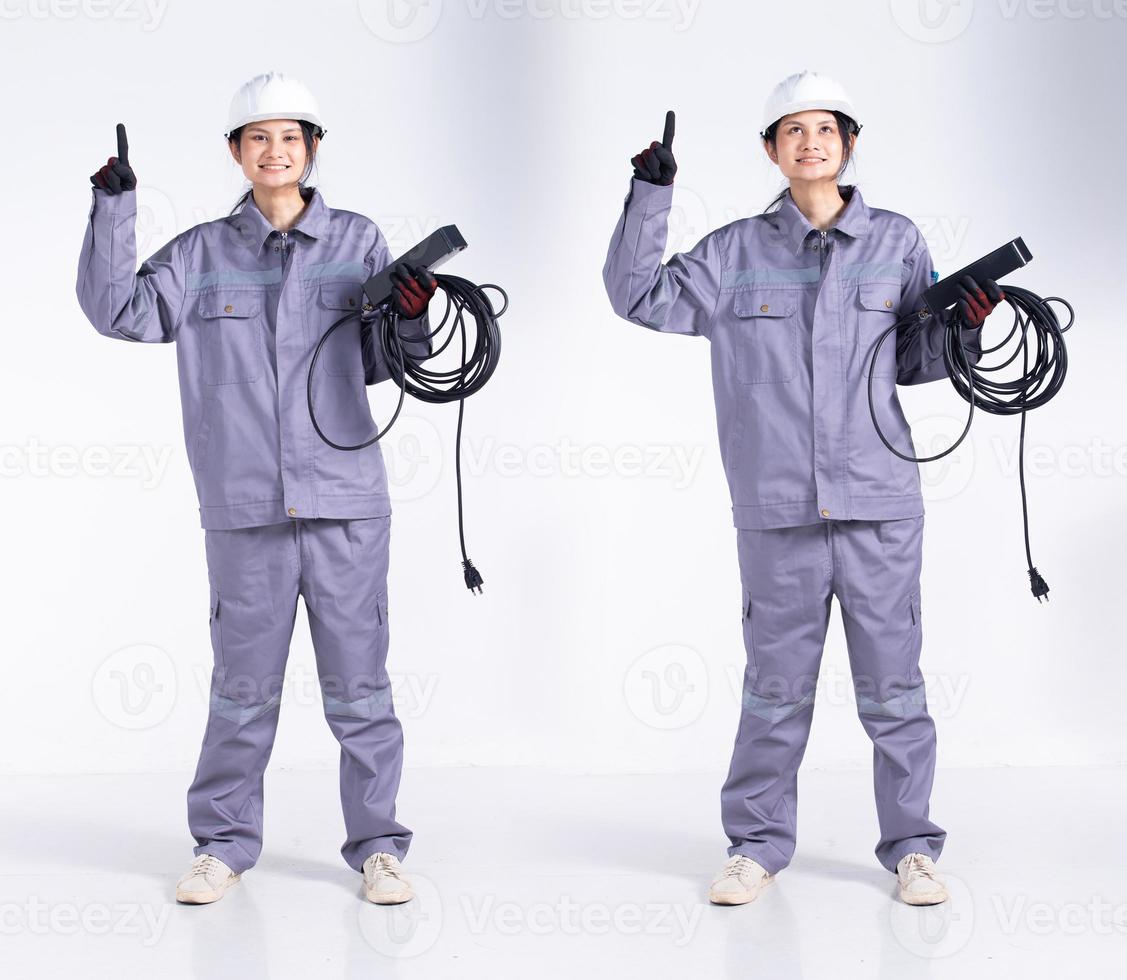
[414, 287]
[976, 304]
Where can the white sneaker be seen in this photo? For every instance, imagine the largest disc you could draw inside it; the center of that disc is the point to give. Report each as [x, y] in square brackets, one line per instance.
[740, 881]
[384, 883]
[205, 881]
[919, 884]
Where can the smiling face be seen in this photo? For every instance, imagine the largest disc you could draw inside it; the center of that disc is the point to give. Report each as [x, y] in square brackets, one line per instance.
[808, 146]
[272, 152]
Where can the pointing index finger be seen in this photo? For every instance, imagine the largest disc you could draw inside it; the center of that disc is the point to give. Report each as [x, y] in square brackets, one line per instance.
[122, 144]
[667, 136]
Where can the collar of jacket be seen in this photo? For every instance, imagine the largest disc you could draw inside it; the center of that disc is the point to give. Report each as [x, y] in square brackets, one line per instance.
[854, 220]
[255, 229]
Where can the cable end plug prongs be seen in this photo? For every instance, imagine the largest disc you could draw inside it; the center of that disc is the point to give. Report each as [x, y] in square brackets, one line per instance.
[474, 581]
[1039, 586]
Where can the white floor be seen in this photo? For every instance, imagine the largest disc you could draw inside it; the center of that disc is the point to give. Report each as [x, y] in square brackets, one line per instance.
[524, 872]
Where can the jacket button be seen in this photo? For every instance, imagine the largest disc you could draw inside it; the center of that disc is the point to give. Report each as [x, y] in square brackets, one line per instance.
[888, 303]
[825, 513]
[764, 308]
[292, 512]
[228, 308]
[351, 301]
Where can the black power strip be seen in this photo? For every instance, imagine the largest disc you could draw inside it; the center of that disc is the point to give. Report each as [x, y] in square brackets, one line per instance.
[1001, 262]
[430, 253]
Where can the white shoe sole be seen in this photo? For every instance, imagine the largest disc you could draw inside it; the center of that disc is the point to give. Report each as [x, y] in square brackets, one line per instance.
[204, 898]
[924, 898]
[739, 898]
[389, 898]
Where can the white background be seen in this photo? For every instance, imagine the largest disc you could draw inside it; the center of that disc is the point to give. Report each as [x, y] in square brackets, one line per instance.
[608, 638]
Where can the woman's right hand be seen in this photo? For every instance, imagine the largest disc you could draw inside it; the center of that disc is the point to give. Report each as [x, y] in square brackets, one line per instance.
[655, 164]
[116, 176]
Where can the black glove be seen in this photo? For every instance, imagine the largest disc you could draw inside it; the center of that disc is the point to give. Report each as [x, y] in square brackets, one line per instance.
[975, 304]
[655, 164]
[414, 287]
[116, 176]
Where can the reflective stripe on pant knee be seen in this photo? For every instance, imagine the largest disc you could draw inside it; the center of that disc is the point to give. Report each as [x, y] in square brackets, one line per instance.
[910, 702]
[371, 706]
[773, 710]
[238, 712]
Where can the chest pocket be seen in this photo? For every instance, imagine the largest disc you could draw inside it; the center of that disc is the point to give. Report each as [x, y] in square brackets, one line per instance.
[765, 336]
[232, 351]
[876, 307]
[341, 356]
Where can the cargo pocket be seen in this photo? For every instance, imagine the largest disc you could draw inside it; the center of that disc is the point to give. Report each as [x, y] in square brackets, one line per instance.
[765, 336]
[231, 346]
[216, 625]
[341, 356]
[914, 609]
[749, 636]
[877, 303]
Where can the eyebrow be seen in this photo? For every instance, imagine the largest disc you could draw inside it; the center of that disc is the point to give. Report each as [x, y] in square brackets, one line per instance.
[263, 129]
[824, 119]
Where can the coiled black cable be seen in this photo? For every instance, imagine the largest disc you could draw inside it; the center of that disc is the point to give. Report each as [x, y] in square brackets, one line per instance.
[1035, 320]
[409, 371]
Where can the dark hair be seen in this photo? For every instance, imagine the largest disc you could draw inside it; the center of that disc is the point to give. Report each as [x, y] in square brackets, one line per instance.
[845, 124]
[308, 131]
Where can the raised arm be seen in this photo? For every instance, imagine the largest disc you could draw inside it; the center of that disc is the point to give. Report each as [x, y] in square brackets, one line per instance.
[681, 295]
[120, 300]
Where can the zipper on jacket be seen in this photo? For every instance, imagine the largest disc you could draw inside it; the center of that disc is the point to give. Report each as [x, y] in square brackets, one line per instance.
[285, 245]
[822, 260]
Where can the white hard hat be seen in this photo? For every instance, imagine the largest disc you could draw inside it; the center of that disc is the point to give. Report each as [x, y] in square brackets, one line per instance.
[272, 96]
[806, 90]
